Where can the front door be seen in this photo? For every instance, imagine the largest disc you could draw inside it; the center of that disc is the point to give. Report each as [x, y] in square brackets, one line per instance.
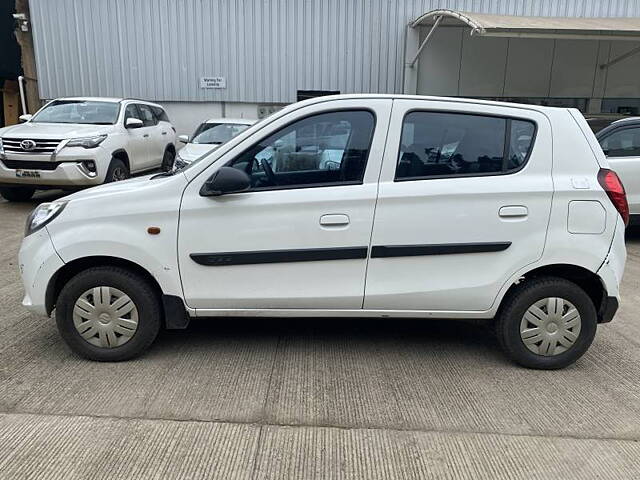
[299, 237]
[464, 203]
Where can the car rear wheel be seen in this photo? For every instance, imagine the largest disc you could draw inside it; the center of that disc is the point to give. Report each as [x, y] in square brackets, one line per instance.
[17, 194]
[546, 323]
[108, 314]
[117, 171]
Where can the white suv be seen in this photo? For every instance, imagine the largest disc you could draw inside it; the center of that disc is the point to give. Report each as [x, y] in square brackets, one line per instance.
[80, 142]
[349, 206]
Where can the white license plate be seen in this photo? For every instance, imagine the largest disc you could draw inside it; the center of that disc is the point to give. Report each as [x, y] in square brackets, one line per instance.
[27, 174]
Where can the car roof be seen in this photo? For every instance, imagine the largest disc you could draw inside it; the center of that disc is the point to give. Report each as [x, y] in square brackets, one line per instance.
[240, 121]
[92, 99]
[627, 119]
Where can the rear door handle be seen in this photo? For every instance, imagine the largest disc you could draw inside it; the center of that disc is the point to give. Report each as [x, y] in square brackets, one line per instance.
[334, 220]
[164, 133]
[145, 135]
[513, 211]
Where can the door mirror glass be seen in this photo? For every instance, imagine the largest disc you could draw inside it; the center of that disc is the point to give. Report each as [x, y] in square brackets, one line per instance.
[133, 123]
[183, 138]
[226, 180]
[25, 118]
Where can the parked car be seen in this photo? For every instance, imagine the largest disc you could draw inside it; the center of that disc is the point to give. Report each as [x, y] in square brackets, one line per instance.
[600, 121]
[620, 142]
[349, 206]
[79, 142]
[209, 135]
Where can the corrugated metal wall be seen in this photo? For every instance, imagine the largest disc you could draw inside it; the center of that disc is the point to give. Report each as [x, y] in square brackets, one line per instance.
[266, 49]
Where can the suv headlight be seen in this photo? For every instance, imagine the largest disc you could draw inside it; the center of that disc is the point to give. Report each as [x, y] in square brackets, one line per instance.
[42, 215]
[1, 146]
[88, 142]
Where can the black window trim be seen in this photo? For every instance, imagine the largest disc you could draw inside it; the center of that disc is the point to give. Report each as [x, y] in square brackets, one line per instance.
[616, 129]
[507, 145]
[321, 184]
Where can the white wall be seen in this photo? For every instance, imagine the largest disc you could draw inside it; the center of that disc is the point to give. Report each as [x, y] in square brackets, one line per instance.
[186, 116]
[455, 63]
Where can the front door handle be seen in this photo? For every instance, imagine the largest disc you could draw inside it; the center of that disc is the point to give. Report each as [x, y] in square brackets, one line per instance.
[334, 220]
[145, 135]
[510, 211]
[164, 133]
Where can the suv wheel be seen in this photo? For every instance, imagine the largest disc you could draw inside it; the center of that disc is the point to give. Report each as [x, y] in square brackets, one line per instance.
[546, 323]
[167, 160]
[117, 171]
[17, 194]
[108, 314]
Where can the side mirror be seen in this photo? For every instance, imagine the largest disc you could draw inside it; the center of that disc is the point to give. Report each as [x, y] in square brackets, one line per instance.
[133, 123]
[183, 138]
[226, 180]
[25, 118]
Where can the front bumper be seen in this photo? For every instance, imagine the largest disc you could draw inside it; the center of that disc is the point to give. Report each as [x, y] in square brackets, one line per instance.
[64, 171]
[38, 261]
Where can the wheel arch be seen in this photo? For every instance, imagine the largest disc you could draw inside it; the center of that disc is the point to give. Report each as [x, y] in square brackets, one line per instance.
[589, 281]
[121, 154]
[173, 308]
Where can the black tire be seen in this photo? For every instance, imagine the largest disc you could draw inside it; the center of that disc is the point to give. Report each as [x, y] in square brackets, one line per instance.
[17, 194]
[141, 293]
[168, 159]
[517, 304]
[117, 171]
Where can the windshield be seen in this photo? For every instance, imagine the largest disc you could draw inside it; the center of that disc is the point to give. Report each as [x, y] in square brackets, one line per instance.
[78, 111]
[217, 133]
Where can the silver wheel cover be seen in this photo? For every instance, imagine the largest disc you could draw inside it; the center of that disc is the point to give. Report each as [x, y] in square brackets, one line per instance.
[550, 326]
[105, 317]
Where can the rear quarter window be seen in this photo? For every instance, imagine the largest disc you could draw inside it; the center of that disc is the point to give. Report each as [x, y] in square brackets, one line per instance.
[444, 144]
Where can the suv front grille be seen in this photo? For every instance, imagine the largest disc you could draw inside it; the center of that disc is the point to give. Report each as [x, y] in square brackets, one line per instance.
[43, 145]
[29, 165]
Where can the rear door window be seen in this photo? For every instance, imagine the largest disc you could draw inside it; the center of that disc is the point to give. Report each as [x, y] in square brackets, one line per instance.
[441, 144]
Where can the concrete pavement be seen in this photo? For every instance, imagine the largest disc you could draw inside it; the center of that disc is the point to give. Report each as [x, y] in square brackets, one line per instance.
[263, 399]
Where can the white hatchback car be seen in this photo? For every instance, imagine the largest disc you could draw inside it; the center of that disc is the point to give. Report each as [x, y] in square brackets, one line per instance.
[209, 135]
[77, 142]
[349, 206]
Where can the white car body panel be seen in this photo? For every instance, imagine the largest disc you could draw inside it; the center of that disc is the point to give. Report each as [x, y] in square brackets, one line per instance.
[281, 220]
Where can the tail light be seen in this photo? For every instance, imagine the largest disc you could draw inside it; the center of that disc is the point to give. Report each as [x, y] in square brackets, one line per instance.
[611, 184]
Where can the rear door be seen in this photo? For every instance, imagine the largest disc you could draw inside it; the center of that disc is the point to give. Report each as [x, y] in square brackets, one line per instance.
[137, 140]
[464, 202]
[155, 140]
[622, 148]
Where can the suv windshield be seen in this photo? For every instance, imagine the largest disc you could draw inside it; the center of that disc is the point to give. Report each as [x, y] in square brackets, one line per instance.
[217, 133]
[78, 111]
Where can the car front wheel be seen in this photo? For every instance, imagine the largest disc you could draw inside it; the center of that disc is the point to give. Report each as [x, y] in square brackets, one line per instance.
[546, 323]
[108, 314]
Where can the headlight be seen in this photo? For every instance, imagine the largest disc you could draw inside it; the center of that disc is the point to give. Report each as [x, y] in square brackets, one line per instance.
[42, 215]
[89, 142]
[1, 146]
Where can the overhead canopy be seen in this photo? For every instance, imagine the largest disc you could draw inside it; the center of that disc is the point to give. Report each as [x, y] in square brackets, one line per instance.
[534, 27]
